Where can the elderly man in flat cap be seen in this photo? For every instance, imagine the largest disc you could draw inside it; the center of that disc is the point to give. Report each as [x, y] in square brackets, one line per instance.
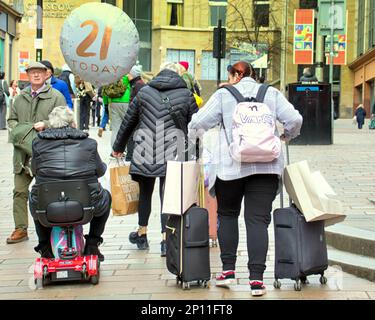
[28, 116]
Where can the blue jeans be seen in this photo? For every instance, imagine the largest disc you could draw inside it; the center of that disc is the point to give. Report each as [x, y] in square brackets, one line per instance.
[105, 117]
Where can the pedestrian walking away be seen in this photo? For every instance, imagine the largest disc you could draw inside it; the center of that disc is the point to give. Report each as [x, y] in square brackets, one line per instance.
[231, 180]
[118, 95]
[29, 114]
[136, 84]
[155, 141]
[360, 114]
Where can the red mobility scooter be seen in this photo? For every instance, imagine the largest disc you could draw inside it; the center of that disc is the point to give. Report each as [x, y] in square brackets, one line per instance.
[65, 206]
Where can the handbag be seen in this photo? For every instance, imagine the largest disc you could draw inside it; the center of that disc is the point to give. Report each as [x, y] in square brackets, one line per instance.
[125, 191]
[191, 150]
[22, 136]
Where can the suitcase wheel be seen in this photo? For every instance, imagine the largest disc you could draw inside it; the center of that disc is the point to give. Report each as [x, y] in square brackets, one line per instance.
[277, 284]
[298, 285]
[304, 280]
[203, 283]
[185, 286]
[323, 280]
[213, 243]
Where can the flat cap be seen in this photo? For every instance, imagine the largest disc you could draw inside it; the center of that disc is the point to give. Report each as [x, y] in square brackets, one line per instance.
[36, 65]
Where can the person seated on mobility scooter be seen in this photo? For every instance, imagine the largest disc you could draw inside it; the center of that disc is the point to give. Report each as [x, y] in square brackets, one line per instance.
[66, 165]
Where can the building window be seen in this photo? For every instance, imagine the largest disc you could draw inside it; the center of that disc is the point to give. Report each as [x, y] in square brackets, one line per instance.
[175, 55]
[261, 13]
[308, 4]
[140, 11]
[361, 27]
[371, 35]
[112, 2]
[218, 11]
[175, 12]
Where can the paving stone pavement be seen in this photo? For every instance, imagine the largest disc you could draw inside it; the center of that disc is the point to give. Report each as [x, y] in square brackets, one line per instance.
[127, 273]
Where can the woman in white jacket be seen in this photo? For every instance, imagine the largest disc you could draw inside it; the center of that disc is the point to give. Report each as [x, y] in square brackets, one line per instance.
[231, 181]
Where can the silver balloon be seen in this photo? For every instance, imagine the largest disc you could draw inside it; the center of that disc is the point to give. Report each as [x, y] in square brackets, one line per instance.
[99, 42]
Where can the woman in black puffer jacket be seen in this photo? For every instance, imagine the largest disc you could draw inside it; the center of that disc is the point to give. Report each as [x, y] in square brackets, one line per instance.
[156, 139]
[62, 152]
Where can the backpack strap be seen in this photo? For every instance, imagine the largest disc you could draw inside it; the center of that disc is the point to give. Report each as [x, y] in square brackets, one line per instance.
[235, 93]
[262, 92]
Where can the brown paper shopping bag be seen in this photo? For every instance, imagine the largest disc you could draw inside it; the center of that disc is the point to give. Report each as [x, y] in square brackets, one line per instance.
[312, 194]
[181, 186]
[125, 191]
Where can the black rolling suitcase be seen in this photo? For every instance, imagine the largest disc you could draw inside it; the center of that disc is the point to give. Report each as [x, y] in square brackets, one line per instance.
[300, 246]
[188, 252]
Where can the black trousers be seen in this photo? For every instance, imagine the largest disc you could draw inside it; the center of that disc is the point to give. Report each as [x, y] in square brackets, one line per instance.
[84, 112]
[97, 224]
[259, 192]
[146, 189]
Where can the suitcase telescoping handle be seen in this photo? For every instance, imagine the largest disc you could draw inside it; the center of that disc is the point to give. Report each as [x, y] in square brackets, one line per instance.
[287, 162]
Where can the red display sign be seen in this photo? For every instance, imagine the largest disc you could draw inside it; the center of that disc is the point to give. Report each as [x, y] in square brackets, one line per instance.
[303, 46]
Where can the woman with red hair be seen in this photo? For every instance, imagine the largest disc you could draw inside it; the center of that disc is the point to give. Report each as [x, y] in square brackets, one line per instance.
[231, 181]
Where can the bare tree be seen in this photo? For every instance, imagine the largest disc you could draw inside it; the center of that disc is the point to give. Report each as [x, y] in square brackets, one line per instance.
[258, 26]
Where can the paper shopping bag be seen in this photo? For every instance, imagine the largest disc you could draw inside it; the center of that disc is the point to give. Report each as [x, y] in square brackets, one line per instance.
[181, 186]
[125, 191]
[312, 194]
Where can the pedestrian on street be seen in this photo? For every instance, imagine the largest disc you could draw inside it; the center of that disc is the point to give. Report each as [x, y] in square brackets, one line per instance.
[118, 107]
[231, 181]
[103, 101]
[68, 77]
[4, 95]
[136, 84]
[85, 93]
[63, 152]
[32, 106]
[155, 140]
[14, 91]
[360, 114]
[57, 83]
[308, 76]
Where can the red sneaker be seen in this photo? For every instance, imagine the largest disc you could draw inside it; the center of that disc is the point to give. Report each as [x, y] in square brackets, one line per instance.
[257, 288]
[226, 278]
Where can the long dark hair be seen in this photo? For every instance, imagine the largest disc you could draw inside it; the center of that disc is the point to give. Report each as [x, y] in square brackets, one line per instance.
[2, 75]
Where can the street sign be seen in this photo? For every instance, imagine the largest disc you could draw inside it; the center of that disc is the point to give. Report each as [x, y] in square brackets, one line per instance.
[332, 15]
[38, 43]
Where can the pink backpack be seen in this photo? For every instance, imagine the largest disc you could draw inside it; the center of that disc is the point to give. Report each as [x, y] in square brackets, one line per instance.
[253, 129]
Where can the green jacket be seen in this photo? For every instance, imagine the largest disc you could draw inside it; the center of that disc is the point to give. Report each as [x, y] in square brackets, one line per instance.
[126, 96]
[26, 109]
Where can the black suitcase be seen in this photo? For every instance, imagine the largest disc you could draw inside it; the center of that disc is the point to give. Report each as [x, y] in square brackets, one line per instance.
[300, 246]
[188, 252]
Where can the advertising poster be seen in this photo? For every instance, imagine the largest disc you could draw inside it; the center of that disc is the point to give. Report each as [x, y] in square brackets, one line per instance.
[303, 45]
[23, 62]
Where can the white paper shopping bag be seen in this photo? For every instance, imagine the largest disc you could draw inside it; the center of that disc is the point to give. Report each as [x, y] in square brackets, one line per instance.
[181, 186]
[312, 194]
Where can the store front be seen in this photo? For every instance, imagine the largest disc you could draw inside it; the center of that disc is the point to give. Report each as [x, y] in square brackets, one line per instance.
[364, 81]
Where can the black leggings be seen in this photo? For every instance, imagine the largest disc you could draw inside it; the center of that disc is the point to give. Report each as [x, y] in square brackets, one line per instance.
[259, 192]
[146, 188]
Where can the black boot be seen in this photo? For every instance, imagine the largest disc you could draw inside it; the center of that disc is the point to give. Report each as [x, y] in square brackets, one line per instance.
[140, 241]
[91, 247]
[163, 248]
[45, 250]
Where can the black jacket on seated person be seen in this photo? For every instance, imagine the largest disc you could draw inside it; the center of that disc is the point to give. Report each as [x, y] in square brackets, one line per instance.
[154, 135]
[68, 154]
